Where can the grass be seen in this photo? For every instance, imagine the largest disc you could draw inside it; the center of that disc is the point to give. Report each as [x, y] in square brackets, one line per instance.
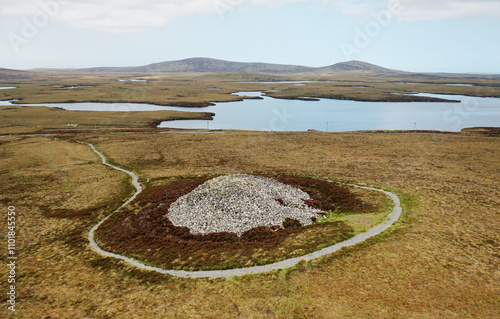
[144, 233]
[21, 119]
[439, 261]
[359, 223]
[193, 90]
[197, 89]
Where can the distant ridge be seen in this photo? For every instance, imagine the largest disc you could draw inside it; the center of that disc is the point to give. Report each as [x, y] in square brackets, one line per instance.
[8, 74]
[208, 65]
[358, 66]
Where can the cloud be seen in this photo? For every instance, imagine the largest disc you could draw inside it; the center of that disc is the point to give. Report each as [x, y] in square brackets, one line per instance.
[134, 15]
[422, 10]
[127, 15]
[118, 15]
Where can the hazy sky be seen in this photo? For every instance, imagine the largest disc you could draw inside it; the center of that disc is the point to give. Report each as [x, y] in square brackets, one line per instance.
[411, 35]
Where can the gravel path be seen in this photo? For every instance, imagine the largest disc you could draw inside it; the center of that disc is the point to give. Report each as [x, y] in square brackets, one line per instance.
[392, 217]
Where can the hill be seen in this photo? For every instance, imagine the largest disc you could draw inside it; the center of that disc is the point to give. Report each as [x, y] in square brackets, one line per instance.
[8, 74]
[355, 66]
[207, 65]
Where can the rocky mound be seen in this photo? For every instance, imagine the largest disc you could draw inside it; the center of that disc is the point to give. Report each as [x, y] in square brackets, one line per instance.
[237, 203]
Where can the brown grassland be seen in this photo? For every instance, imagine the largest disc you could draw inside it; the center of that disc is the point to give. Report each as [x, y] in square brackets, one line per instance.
[441, 260]
[204, 89]
[144, 232]
[39, 119]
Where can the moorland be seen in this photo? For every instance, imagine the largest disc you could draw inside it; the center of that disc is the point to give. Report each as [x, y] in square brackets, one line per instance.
[365, 83]
[440, 260]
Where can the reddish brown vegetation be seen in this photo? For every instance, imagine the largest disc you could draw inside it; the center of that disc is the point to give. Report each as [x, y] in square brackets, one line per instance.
[151, 236]
[326, 195]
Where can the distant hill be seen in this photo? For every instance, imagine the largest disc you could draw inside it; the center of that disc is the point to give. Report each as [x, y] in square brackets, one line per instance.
[355, 66]
[207, 65]
[8, 74]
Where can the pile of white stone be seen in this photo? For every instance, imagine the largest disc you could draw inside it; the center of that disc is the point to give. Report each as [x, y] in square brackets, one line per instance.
[237, 203]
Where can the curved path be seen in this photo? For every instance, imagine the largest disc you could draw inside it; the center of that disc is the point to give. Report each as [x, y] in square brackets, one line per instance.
[393, 216]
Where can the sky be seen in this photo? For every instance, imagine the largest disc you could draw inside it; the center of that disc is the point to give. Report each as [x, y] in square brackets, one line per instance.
[461, 36]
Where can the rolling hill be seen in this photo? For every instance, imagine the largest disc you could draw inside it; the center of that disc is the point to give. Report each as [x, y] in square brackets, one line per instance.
[8, 74]
[207, 65]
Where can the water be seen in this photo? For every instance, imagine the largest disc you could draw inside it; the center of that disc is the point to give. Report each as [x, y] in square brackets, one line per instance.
[452, 84]
[326, 114]
[113, 107]
[304, 82]
[340, 115]
[132, 80]
[7, 88]
[71, 87]
[287, 82]
[4, 103]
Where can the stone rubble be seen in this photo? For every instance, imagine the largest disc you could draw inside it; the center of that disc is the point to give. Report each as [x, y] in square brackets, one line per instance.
[237, 203]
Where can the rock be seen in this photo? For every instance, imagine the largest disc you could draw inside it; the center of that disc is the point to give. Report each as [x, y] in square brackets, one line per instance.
[237, 203]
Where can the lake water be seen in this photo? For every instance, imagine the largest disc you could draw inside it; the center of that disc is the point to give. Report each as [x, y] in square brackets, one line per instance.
[324, 115]
[71, 87]
[287, 82]
[452, 84]
[132, 80]
[340, 115]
